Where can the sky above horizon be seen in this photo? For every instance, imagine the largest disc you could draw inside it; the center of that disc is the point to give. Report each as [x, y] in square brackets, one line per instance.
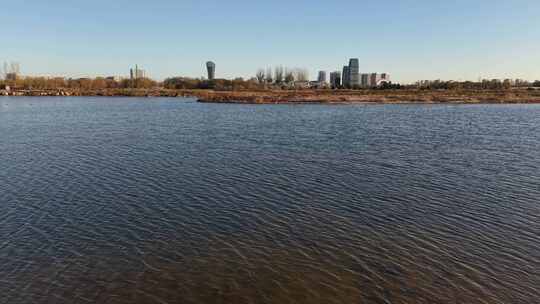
[410, 39]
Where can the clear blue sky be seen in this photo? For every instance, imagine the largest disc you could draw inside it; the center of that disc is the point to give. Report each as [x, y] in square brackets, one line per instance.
[411, 39]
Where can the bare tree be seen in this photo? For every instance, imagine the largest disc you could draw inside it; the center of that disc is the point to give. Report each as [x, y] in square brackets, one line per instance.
[260, 75]
[289, 76]
[5, 70]
[279, 74]
[268, 76]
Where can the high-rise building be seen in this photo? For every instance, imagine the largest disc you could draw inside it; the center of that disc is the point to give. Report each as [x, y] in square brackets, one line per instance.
[345, 78]
[322, 77]
[364, 80]
[335, 79]
[211, 67]
[352, 78]
[374, 79]
[354, 72]
[11, 76]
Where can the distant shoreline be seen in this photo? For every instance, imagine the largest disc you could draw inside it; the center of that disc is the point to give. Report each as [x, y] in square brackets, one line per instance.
[399, 96]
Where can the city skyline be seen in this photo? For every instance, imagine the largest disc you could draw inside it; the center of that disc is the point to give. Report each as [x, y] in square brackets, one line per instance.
[11, 71]
[411, 41]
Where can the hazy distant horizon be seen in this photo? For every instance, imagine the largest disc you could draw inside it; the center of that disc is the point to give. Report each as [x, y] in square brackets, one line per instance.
[410, 40]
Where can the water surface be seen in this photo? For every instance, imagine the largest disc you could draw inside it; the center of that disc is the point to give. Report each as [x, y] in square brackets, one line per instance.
[169, 201]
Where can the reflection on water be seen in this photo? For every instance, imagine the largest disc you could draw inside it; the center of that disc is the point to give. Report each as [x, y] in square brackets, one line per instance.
[170, 201]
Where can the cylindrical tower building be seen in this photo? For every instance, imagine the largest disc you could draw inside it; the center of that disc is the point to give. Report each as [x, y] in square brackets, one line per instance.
[211, 67]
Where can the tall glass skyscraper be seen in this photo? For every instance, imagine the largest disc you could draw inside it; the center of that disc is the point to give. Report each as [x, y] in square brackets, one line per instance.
[322, 76]
[345, 78]
[354, 73]
[211, 67]
[335, 79]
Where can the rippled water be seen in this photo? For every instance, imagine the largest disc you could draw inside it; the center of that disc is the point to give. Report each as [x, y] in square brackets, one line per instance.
[171, 201]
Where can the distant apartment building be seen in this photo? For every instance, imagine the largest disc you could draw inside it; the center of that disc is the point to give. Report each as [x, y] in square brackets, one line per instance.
[335, 79]
[374, 79]
[364, 80]
[11, 76]
[322, 77]
[211, 69]
[380, 79]
[351, 77]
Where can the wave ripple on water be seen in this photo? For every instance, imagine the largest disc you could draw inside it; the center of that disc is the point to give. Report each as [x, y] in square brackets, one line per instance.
[164, 201]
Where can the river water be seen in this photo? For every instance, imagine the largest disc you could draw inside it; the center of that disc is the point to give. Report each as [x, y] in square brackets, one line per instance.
[127, 200]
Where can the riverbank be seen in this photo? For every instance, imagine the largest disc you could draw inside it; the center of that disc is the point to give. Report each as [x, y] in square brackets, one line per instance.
[372, 96]
[157, 92]
[310, 96]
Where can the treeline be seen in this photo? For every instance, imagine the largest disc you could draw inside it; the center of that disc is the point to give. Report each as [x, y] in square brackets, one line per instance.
[184, 83]
[280, 75]
[58, 83]
[265, 79]
[471, 85]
